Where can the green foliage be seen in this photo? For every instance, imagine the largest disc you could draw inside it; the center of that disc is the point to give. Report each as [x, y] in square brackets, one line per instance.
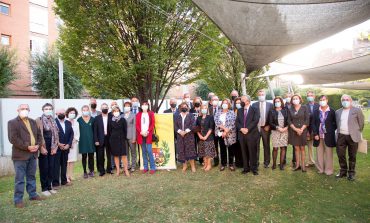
[202, 89]
[45, 68]
[277, 92]
[365, 104]
[362, 100]
[7, 70]
[334, 101]
[122, 49]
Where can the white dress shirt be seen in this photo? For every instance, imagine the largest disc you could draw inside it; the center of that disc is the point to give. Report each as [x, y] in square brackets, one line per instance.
[144, 122]
[344, 122]
[105, 123]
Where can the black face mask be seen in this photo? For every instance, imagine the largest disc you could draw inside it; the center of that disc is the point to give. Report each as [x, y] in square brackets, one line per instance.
[184, 110]
[93, 106]
[196, 104]
[242, 104]
[105, 111]
[61, 116]
[173, 105]
[233, 98]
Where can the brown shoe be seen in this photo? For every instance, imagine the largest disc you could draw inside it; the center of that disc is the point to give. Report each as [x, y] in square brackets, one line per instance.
[19, 205]
[37, 198]
[67, 184]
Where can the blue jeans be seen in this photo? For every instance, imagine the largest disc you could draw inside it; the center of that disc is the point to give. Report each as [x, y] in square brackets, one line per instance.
[147, 152]
[25, 168]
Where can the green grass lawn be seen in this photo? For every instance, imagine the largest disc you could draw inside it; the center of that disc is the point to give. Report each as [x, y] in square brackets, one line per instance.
[171, 196]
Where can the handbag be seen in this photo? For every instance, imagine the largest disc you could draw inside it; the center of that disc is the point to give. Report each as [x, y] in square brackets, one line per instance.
[155, 137]
[362, 145]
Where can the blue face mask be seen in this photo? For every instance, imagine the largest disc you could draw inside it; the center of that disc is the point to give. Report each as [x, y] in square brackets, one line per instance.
[85, 113]
[310, 99]
[346, 104]
[48, 112]
[277, 104]
[204, 111]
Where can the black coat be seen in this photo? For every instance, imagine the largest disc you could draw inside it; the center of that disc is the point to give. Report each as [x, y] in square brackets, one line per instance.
[251, 122]
[330, 125]
[315, 107]
[117, 137]
[273, 118]
[99, 129]
[65, 137]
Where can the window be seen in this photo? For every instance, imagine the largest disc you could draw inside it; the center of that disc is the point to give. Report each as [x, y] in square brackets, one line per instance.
[4, 8]
[5, 40]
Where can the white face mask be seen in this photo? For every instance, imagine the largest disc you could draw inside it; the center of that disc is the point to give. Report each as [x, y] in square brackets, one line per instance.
[215, 103]
[204, 111]
[225, 106]
[135, 104]
[323, 103]
[116, 114]
[127, 109]
[262, 98]
[238, 106]
[296, 101]
[144, 107]
[23, 113]
[71, 116]
[287, 100]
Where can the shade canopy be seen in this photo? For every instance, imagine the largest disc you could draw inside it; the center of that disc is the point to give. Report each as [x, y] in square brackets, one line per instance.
[353, 69]
[352, 86]
[266, 30]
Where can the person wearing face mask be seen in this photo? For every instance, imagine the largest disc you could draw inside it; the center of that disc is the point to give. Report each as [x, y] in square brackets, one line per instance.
[86, 145]
[196, 111]
[49, 147]
[246, 125]
[206, 147]
[145, 124]
[350, 124]
[101, 139]
[135, 105]
[61, 157]
[185, 144]
[298, 120]
[93, 106]
[131, 135]
[288, 105]
[278, 121]
[72, 114]
[264, 109]
[233, 95]
[117, 140]
[110, 116]
[225, 128]
[312, 107]
[172, 109]
[187, 100]
[212, 110]
[26, 140]
[237, 149]
[324, 126]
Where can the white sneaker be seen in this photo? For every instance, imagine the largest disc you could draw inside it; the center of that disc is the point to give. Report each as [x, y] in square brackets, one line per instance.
[53, 191]
[46, 193]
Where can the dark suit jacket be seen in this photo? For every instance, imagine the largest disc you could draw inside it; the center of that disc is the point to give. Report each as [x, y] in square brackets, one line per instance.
[269, 106]
[170, 111]
[251, 122]
[210, 110]
[20, 138]
[67, 136]
[330, 125]
[99, 129]
[315, 107]
[273, 118]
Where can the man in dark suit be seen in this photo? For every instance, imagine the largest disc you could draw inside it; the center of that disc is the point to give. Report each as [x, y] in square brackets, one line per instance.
[101, 139]
[212, 110]
[61, 157]
[172, 109]
[26, 139]
[188, 100]
[264, 108]
[246, 125]
[312, 107]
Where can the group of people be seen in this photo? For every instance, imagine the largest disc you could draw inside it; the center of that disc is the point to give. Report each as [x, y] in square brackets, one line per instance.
[229, 131]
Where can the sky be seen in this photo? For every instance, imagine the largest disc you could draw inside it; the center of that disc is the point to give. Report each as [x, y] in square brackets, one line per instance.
[303, 58]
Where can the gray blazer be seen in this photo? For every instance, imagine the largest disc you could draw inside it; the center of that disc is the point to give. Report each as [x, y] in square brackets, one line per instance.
[355, 122]
[131, 126]
[268, 108]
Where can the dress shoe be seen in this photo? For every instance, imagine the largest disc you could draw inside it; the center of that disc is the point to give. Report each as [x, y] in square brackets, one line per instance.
[281, 167]
[340, 175]
[109, 172]
[51, 192]
[297, 168]
[19, 205]
[91, 174]
[37, 198]
[232, 168]
[351, 178]
[222, 168]
[101, 174]
[265, 165]
[145, 171]
[152, 171]
[245, 171]
[255, 173]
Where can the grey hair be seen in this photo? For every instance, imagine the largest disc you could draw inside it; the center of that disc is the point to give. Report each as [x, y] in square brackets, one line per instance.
[19, 106]
[345, 95]
[248, 97]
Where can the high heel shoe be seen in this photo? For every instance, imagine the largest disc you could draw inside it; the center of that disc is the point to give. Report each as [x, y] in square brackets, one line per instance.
[273, 166]
[297, 168]
[304, 170]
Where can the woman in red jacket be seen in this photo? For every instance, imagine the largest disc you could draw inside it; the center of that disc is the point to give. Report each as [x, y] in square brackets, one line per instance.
[144, 130]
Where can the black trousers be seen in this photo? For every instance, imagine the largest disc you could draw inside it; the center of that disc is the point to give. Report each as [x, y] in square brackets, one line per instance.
[216, 140]
[100, 156]
[238, 155]
[224, 150]
[344, 142]
[46, 167]
[60, 168]
[265, 135]
[91, 161]
[248, 145]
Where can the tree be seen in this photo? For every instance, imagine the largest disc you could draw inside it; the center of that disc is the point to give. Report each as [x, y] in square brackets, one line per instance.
[45, 70]
[224, 74]
[132, 48]
[7, 70]
[202, 89]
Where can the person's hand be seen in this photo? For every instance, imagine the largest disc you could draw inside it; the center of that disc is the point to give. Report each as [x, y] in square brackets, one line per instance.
[183, 133]
[133, 141]
[66, 146]
[317, 137]
[53, 152]
[44, 151]
[244, 131]
[224, 134]
[202, 138]
[97, 143]
[266, 128]
[61, 146]
[33, 149]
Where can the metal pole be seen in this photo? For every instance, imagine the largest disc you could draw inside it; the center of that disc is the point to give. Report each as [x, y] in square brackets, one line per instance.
[61, 79]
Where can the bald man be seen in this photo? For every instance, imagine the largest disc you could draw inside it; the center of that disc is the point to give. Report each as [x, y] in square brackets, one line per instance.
[61, 157]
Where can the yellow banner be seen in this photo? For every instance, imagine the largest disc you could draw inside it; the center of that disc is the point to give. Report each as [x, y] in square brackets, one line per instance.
[164, 150]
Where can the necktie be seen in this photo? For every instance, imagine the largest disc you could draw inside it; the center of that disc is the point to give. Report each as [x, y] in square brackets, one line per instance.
[245, 117]
[135, 111]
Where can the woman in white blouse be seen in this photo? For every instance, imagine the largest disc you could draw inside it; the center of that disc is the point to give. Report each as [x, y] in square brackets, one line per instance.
[72, 113]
